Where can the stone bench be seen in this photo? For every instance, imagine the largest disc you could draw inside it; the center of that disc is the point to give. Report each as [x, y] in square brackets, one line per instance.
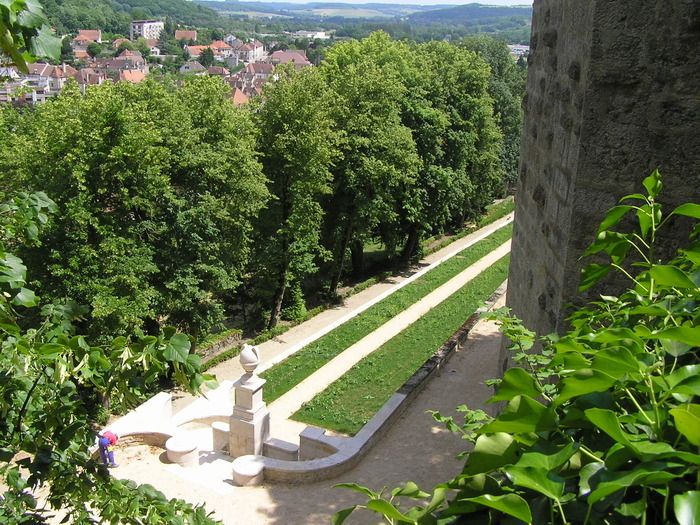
[182, 449]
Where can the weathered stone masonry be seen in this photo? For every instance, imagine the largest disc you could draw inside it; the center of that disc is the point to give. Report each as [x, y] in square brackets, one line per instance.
[613, 92]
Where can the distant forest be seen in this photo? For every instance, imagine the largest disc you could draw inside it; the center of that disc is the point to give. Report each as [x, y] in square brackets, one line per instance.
[419, 23]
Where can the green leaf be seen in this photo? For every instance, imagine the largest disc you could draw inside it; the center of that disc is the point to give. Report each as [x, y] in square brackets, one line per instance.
[689, 209]
[687, 507]
[410, 490]
[687, 420]
[537, 479]
[45, 44]
[387, 509]
[358, 488]
[689, 335]
[178, 348]
[616, 362]
[491, 452]
[587, 474]
[653, 184]
[607, 421]
[516, 381]
[548, 461]
[591, 274]
[653, 473]
[667, 275]
[340, 516]
[583, 382]
[26, 298]
[523, 414]
[613, 216]
[510, 504]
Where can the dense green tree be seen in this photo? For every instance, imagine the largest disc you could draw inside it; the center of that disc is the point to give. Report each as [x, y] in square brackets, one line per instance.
[378, 152]
[458, 87]
[156, 190]
[51, 378]
[206, 58]
[50, 383]
[67, 55]
[507, 88]
[297, 142]
[94, 49]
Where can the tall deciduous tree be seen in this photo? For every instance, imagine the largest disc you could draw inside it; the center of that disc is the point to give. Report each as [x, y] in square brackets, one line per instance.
[378, 152]
[156, 190]
[206, 58]
[297, 141]
[507, 88]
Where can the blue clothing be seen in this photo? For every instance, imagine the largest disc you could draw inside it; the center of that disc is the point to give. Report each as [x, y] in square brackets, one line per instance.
[106, 453]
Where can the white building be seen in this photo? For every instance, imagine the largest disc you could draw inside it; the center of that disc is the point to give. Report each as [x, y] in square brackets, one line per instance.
[148, 29]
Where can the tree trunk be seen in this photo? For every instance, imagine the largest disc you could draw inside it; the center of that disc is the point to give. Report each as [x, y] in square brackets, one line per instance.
[341, 256]
[357, 252]
[279, 297]
[409, 249]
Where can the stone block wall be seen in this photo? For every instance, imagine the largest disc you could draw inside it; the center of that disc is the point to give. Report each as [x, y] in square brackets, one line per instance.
[613, 92]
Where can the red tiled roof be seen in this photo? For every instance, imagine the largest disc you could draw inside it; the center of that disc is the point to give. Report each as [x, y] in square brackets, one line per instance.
[239, 98]
[132, 75]
[88, 35]
[219, 44]
[285, 57]
[218, 70]
[129, 53]
[119, 41]
[185, 34]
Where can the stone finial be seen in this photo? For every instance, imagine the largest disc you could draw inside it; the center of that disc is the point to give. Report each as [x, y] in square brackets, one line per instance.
[250, 358]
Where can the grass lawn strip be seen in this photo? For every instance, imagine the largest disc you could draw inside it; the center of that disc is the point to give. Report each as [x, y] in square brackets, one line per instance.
[284, 376]
[348, 403]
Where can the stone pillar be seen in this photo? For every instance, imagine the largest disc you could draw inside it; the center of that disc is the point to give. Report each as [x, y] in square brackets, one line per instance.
[612, 94]
[250, 421]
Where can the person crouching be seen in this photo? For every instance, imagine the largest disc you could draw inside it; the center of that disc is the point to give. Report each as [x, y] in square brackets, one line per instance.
[106, 441]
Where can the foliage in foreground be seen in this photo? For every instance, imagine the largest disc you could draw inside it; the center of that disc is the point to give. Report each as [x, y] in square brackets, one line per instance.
[51, 384]
[603, 426]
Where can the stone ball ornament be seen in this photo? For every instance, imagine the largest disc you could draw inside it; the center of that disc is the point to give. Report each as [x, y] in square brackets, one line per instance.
[250, 358]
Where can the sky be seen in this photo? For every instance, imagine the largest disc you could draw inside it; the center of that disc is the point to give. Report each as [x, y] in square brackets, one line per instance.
[415, 2]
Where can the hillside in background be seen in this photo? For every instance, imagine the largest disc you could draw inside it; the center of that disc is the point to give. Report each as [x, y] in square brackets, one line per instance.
[447, 13]
[114, 15]
[469, 14]
[413, 22]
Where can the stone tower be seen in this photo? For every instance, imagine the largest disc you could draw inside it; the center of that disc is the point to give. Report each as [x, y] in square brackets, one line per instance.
[613, 92]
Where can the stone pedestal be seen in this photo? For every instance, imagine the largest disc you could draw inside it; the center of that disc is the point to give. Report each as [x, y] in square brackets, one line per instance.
[250, 422]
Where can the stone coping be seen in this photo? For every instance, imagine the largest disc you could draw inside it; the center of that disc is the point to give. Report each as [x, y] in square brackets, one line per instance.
[343, 453]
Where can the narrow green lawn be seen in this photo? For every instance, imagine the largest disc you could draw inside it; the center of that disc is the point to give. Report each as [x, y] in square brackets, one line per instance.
[347, 404]
[284, 376]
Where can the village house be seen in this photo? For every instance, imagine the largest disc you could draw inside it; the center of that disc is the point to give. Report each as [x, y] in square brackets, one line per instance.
[253, 51]
[238, 97]
[118, 42]
[221, 50]
[292, 56]
[233, 41]
[146, 29]
[193, 68]
[218, 71]
[259, 70]
[186, 35]
[82, 40]
[41, 82]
